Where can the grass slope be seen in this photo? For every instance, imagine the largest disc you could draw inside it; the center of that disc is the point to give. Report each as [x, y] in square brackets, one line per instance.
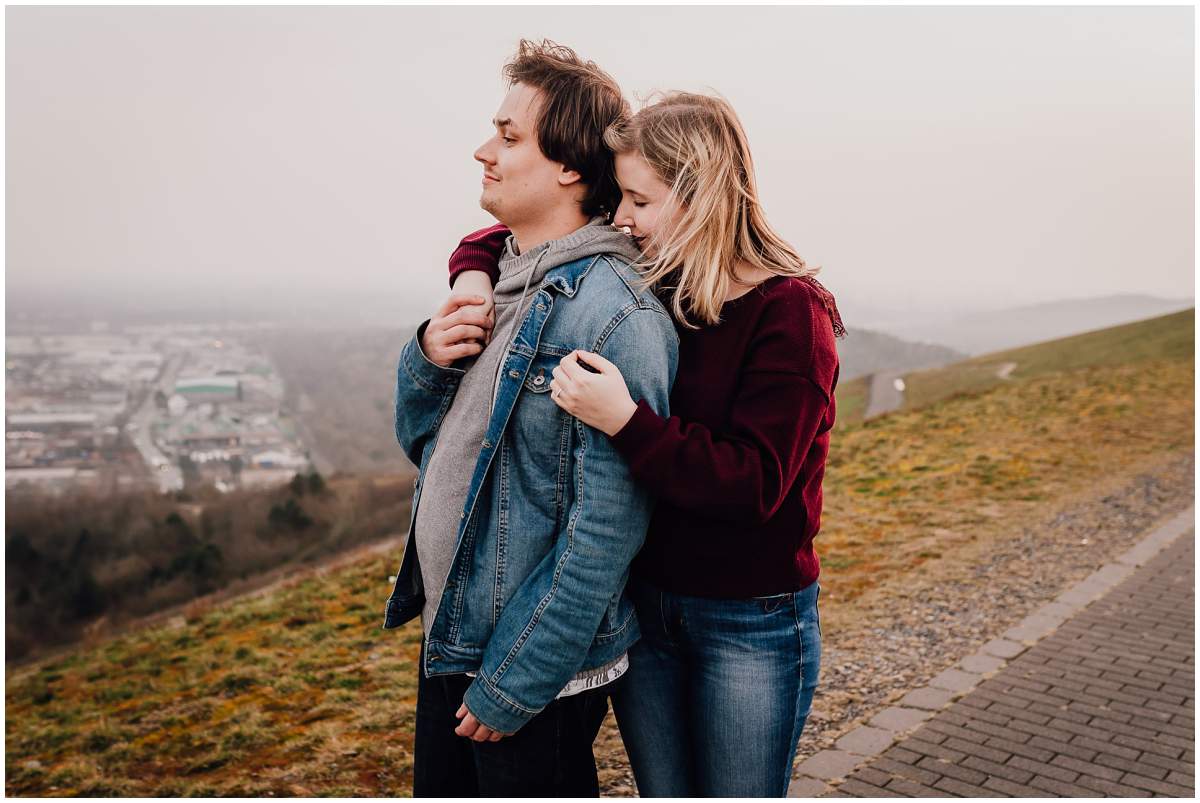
[302, 693]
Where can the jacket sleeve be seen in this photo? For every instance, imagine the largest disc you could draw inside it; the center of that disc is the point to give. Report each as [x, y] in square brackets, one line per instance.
[480, 250]
[745, 471]
[424, 391]
[542, 635]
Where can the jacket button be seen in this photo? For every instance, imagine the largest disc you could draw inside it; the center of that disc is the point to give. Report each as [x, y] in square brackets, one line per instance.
[515, 374]
[487, 444]
[539, 380]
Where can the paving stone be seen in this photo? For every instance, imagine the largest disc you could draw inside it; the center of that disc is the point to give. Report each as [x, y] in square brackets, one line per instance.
[898, 769]
[1109, 788]
[914, 789]
[899, 718]
[1087, 768]
[863, 789]
[1055, 610]
[1003, 648]
[994, 770]
[926, 697]
[829, 764]
[866, 741]
[952, 770]
[1031, 629]
[1060, 788]
[955, 680]
[1160, 787]
[1012, 789]
[808, 787]
[981, 663]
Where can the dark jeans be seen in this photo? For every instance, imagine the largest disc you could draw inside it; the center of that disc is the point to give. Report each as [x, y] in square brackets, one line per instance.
[551, 756]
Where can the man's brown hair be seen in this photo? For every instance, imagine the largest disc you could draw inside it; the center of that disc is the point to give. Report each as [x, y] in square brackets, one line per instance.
[579, 102]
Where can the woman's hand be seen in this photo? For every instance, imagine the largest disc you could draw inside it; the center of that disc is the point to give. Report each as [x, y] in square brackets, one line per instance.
[599, 399]
[478, 283]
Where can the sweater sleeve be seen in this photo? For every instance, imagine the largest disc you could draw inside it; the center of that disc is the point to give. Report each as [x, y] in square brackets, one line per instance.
[745, 471]
[480, 250]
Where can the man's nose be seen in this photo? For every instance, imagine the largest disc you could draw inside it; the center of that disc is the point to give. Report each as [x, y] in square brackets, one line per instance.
[483, 154]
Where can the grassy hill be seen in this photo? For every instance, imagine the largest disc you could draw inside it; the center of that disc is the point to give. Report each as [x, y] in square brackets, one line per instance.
[1170, 337]
[302, 693]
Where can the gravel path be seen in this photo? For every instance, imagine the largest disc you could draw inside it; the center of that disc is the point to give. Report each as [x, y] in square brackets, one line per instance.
[905, 636]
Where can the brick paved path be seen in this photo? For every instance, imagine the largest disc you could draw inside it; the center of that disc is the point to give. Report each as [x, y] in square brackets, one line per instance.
[1104, 706]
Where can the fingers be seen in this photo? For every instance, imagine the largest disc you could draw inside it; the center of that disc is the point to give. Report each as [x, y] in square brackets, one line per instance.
[468, 726]
[471, 728]
[572, 369]
[459, 350]
[471, 315]
[594, 360]
[455, 302]
[462, 332]
[560, 382]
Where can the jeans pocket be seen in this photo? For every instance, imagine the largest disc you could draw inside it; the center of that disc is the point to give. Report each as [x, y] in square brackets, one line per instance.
[772, 603]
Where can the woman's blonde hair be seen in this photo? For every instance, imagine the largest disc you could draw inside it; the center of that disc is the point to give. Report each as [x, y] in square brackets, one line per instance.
[697, 146]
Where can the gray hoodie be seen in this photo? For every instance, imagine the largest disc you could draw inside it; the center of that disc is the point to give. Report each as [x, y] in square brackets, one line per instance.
[448, 475]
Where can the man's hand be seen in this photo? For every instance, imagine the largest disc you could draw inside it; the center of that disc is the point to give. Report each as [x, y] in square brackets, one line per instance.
[473, 728]
[458, 329]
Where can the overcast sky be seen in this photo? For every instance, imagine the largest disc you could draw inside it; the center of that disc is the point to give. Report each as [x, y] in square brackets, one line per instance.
[938, 157]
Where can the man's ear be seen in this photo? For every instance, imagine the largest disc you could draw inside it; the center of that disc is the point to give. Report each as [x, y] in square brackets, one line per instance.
[567, 177]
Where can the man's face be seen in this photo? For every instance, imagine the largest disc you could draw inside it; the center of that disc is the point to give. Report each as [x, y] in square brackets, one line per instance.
[519, 183]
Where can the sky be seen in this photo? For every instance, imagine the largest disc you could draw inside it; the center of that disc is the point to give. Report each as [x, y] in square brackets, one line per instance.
[935, 159]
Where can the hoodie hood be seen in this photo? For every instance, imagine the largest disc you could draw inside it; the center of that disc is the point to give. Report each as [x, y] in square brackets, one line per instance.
[597, 237]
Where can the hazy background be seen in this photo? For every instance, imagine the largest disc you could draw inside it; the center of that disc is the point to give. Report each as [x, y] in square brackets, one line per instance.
[317, 161]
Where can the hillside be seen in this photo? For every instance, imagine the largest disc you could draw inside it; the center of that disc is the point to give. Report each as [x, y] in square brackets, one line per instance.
[84, 564]
[1168, 337]
[983, 332]
[302, 693]
[863, 352]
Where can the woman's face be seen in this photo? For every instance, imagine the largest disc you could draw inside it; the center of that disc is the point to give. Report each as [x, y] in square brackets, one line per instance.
[646, 202]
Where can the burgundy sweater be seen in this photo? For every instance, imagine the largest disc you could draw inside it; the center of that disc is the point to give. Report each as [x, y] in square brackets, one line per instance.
[737, 467]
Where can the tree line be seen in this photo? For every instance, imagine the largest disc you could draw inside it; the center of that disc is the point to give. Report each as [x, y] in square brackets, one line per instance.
[78, 558]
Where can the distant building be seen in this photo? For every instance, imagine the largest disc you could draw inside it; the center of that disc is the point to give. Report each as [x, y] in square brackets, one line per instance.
[52, 422]
[279, 459]
[209, 388]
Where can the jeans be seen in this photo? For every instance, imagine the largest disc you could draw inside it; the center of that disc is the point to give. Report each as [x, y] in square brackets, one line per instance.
[717, 692]
[551, 755]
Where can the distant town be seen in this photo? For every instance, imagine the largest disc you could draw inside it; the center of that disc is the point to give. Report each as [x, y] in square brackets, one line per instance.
[146, 408]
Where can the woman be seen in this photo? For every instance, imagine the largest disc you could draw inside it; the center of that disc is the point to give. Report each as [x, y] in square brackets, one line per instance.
[721, 683]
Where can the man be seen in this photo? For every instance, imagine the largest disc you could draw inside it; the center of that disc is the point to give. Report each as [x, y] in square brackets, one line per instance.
[525, 520]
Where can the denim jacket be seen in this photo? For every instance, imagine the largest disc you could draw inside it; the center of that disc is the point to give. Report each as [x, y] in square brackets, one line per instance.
[552, 518]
